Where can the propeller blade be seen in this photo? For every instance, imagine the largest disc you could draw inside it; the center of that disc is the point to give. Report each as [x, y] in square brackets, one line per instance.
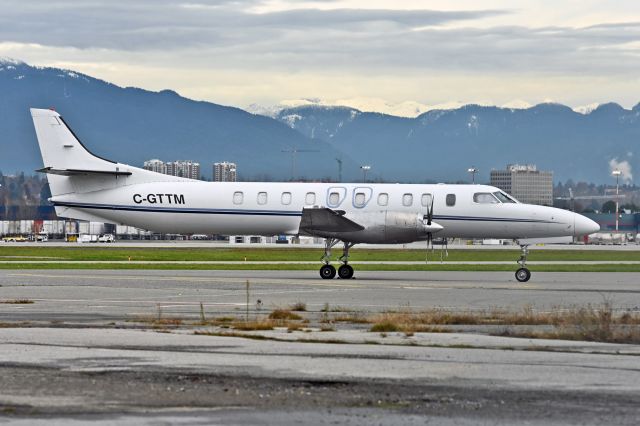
[430, 212]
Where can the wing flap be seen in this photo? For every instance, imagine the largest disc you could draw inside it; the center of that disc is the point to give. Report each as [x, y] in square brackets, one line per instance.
[322, 219]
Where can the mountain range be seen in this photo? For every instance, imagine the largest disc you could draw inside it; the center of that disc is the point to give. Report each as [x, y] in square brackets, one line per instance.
[443, 144]
[132, 125]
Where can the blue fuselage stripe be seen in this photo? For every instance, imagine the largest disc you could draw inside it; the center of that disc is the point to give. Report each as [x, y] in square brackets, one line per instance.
[150, 209]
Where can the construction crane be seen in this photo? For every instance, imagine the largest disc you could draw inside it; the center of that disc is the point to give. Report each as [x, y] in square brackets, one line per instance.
[294, 151]
[339, 161]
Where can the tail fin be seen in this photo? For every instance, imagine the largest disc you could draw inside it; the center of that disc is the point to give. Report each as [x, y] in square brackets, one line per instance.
[72, 167]
[59, 146]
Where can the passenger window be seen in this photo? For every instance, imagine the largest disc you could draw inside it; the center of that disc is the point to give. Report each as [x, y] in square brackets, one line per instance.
[310, 198]
[426, 200]
[262, 198]
[286, 198]
[451, 200]
[383, 199]
[359, 200]
[334, 198]
[407, 200]
[484, 198]
[238, 197]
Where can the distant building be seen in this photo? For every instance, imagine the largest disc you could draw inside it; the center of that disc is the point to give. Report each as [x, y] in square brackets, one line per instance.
[526, 183]
[155, 165]
[224, 172]
[183, 168]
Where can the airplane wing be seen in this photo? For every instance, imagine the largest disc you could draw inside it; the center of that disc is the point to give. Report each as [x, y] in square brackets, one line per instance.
[322, 219]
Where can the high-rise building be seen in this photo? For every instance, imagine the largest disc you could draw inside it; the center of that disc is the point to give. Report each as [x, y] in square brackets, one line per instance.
[155, 165]
[526, 183]
[224, 172]
[183, 168]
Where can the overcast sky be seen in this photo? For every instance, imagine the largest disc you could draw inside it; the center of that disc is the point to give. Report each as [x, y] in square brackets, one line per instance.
[239, 52]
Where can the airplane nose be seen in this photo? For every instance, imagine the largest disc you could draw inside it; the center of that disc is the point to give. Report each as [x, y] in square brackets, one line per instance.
[584, 225]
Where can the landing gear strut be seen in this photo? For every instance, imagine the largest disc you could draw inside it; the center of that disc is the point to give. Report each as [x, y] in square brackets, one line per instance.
[523, 274]
[328, 271]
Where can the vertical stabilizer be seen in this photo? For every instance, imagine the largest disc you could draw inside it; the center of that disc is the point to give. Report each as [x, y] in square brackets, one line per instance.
[59, 146]
[72, 168]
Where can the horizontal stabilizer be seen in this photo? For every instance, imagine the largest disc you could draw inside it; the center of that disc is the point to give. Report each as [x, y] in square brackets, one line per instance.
[82, 172]
[326, 220]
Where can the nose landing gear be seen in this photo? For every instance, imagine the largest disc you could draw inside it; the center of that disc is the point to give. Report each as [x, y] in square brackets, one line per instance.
[523, 274]
[328, 271]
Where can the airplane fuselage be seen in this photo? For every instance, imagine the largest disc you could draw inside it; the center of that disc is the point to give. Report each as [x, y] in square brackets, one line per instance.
[268, 208]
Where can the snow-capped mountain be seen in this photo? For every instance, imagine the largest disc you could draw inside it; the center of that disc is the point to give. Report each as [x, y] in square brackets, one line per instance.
[132, 125]
[442, 144]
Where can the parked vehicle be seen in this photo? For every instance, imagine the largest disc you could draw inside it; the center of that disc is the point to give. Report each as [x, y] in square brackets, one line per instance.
[87, 238]
[15, 239]
[106, 238]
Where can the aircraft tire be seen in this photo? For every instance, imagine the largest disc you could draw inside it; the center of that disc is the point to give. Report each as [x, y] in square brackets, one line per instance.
[327, 272]
[523, 275]
[345, 272]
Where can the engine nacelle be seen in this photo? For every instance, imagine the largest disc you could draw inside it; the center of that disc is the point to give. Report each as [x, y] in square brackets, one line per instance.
[386, 227]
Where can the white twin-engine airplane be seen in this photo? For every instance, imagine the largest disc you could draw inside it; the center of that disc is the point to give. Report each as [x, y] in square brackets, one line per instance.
[87, 187]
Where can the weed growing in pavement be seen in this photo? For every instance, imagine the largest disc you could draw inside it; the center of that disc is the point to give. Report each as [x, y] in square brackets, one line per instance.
[17, 301]
[258, 325]
[284, 314]
[588, 323]
[299, 306]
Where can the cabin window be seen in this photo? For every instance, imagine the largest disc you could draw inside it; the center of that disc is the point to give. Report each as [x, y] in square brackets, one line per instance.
[334, 198]
[426, 200]
[360, 199]
[484, 198]
[286, 198]
[451, 200]
[383, 199]
[504, 197]
[262, 198]
[407, 200]
[238, 197]
[310, 198]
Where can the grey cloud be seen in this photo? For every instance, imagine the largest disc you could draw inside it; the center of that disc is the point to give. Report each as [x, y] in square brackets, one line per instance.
[164, 24]
[372, 41]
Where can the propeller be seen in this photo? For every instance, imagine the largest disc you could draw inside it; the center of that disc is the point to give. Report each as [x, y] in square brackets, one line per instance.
[429, 217]
[431, 227]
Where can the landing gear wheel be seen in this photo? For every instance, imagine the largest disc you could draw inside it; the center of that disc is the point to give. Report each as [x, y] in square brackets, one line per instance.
[327, 272]
[345, 272]
[523, 275]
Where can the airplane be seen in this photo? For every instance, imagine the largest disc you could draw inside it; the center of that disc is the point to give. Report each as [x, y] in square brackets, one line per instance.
[87, 187]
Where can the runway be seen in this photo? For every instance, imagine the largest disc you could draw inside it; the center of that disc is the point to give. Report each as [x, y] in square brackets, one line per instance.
[111, 295]
[77, 353]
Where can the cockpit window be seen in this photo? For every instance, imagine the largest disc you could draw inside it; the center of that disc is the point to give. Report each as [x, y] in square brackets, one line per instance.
[504, 197]
[484, 198]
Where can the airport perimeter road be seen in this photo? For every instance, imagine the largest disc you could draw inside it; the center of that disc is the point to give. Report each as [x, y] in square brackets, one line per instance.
[112, 295]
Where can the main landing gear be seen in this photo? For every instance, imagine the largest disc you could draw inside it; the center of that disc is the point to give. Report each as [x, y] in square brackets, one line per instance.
[328, 271]
[523, 274]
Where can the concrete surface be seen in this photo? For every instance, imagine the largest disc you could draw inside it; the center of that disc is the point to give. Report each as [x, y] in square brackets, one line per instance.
[112, 295]
[71, 357]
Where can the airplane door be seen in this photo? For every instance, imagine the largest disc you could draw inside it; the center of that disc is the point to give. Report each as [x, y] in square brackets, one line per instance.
[335, 196]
